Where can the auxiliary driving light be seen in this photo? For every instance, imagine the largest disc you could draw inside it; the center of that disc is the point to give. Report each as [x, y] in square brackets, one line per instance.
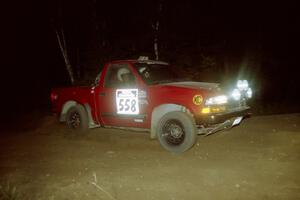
[249, 93]
[242, 85]
[236, 94]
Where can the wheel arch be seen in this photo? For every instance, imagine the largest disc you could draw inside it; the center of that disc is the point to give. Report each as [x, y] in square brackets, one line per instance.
[70, 104]
[160, 111]
[65, 108]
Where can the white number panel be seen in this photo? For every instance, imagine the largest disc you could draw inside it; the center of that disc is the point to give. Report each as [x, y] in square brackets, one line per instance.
[127, 101]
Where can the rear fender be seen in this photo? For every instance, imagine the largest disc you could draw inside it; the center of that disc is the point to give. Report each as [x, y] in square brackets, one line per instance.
[70, 104]
[65, 109]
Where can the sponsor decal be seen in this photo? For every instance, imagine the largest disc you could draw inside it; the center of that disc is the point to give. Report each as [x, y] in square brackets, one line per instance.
[197, 99]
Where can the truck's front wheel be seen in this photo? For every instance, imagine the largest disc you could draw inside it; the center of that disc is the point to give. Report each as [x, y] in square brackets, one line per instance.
[77, 118]
[176, 132]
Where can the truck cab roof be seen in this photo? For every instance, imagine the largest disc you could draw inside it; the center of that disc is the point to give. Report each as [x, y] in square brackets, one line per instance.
[140, 61]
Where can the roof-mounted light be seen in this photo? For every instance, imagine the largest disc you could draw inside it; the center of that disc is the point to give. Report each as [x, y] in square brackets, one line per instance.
[143, 58]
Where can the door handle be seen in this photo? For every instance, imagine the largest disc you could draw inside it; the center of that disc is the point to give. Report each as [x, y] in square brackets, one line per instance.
[102, 94]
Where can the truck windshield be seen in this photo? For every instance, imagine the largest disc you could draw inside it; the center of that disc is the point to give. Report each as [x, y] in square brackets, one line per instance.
[158, 73]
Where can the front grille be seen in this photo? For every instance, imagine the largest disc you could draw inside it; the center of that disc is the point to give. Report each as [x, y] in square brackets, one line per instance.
[232, 104]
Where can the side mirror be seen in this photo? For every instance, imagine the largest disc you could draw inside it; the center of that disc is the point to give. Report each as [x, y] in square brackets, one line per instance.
[97, 80]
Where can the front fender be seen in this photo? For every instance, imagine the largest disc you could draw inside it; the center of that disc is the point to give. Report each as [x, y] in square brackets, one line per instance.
[160, 111]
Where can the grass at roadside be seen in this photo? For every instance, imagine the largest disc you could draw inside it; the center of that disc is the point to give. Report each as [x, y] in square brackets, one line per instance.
[9, 192]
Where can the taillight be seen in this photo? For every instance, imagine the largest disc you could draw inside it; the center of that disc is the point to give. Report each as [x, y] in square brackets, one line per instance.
[54, 96]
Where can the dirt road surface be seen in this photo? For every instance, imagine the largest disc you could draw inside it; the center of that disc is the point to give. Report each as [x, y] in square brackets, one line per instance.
[260, 159]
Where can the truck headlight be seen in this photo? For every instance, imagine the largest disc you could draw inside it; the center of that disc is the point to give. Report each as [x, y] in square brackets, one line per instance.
[217, 100]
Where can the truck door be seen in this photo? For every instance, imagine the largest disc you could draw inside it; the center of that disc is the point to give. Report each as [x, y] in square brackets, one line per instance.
[119, 98]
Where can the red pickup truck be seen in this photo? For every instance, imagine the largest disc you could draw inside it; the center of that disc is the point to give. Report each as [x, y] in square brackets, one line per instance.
[151, 96]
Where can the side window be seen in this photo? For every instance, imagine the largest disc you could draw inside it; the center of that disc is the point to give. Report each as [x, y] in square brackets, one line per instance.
[119, 76]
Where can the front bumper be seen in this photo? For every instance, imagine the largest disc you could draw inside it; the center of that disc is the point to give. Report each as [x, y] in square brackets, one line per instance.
[209, 124]
[216, 118]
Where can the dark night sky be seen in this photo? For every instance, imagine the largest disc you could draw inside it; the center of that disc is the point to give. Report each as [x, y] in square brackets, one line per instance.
[33, 64]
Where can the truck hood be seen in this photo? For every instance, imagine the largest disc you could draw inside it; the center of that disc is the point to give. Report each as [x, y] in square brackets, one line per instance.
[194, 85]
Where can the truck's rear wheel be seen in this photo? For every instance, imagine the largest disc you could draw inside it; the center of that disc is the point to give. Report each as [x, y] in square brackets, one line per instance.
[176, 132]
[77, 118]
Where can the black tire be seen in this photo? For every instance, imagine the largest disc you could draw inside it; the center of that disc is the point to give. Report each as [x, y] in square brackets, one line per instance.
[77, 118]
[176, 132]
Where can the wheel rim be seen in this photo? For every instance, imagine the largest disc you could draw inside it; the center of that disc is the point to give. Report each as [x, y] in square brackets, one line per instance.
[74, 120]
[173, 132]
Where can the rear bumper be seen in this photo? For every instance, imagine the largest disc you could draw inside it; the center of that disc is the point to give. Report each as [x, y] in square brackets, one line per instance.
[217, 118]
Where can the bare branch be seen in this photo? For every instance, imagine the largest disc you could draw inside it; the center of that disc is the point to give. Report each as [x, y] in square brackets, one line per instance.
[100, 188]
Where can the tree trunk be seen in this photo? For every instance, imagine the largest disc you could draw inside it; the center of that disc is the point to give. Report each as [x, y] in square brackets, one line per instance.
[78, 67]
[156, 40]
[63, 48]
[156, 29]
